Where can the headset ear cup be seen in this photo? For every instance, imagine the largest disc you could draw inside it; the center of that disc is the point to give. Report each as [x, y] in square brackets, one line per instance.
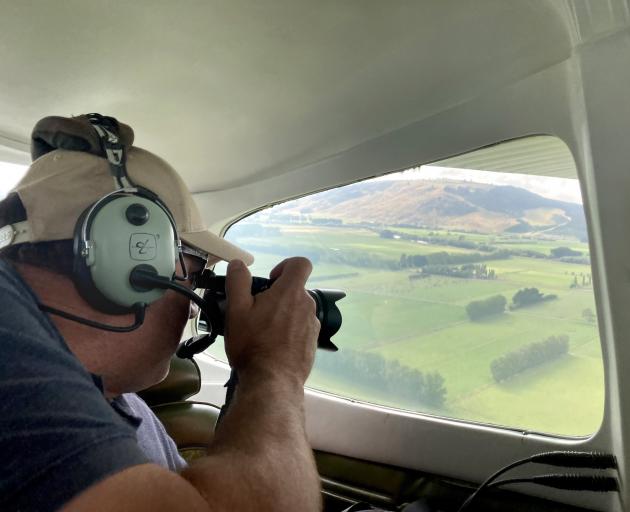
[121, 239]
[82, 275]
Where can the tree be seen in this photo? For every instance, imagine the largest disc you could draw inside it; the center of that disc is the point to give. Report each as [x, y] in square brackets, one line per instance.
[417, 260]
[434, 390]
[527, 296]
[561, 252]
[479, 309]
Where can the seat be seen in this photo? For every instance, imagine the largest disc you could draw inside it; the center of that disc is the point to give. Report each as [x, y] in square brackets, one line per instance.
[190, 424]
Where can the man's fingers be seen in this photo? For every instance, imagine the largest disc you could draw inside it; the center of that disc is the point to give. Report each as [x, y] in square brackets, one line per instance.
[238, 286]
[277, 270]
[294, 272]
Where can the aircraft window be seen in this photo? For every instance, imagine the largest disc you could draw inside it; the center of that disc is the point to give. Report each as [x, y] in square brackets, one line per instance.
[10, 174]
[469, 287]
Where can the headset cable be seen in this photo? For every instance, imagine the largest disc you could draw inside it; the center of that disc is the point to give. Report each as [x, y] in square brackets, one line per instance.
[569, 459]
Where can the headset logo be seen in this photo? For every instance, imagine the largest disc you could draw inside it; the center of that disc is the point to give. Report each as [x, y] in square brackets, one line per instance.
[142, 246]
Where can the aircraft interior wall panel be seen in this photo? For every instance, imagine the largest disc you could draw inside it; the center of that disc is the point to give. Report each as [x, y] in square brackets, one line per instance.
[608, 120]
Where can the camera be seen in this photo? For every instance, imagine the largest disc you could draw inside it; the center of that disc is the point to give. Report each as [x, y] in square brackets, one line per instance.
[212, 314]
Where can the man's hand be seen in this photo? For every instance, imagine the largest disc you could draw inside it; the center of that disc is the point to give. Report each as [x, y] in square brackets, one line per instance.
[260, 458]
[274, 331]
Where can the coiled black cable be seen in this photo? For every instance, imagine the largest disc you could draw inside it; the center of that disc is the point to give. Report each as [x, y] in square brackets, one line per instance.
[573, 459]
[568, 482]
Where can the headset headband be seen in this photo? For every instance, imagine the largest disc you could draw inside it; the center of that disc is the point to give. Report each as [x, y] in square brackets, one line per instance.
[107, 130]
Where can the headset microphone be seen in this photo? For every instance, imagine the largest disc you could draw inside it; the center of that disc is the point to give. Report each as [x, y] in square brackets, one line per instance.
[138, 310]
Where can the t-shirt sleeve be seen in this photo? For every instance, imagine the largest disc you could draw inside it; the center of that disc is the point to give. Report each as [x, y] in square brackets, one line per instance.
[58, 434]
[152, 437]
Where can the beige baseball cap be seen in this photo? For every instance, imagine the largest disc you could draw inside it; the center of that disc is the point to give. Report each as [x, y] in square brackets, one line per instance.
[62, 183]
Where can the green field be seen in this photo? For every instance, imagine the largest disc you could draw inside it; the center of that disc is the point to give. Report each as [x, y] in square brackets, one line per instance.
[423, 324]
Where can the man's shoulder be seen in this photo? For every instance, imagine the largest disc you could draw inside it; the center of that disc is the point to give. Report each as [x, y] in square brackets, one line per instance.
[25, 330]
[19, 311]
[59, 434]
[152, 437]
[10, 279]
[32, 349]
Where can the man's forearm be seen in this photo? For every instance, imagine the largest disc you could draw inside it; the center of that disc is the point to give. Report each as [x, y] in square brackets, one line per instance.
[260, 457]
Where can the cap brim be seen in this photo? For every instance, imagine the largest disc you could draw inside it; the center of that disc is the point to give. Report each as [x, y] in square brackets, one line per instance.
[216, 246]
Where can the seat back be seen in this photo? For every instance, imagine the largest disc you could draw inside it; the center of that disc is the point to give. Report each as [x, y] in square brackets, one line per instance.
[189, 423]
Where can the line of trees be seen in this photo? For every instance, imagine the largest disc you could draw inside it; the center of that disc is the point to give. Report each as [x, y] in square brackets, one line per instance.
[528, 253]
[564, 252]
[375, 372]
[364, 259]
[530, 356]
[447, 258]
[479, 309]
[585, 280]
[460, 241]
[326, 221]
[579, 260]
[568, 255]
[468, 271]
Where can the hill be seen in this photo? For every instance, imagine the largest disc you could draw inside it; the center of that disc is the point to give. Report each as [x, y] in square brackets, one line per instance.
[442, 204]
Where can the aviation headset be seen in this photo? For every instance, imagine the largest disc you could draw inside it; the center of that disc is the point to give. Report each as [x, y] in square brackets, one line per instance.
[125, 229]
[125, 244]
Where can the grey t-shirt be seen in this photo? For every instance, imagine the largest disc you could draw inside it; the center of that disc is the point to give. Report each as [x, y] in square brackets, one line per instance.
[153, 440]
[58, 433]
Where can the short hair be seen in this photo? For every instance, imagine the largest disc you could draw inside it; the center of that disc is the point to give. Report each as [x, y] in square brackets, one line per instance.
[56, 255]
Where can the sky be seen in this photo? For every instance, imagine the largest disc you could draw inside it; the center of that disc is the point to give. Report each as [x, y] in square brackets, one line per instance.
[554, 188]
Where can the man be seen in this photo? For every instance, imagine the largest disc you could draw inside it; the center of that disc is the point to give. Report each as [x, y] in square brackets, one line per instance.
[65, 443]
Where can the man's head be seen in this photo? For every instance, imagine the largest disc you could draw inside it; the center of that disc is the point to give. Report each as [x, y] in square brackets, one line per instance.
[42, 219]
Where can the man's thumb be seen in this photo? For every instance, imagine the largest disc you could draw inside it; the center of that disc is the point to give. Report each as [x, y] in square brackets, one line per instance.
[238, 286]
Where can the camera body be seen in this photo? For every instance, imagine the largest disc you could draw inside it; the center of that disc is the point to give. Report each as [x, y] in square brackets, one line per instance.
[213, 315]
